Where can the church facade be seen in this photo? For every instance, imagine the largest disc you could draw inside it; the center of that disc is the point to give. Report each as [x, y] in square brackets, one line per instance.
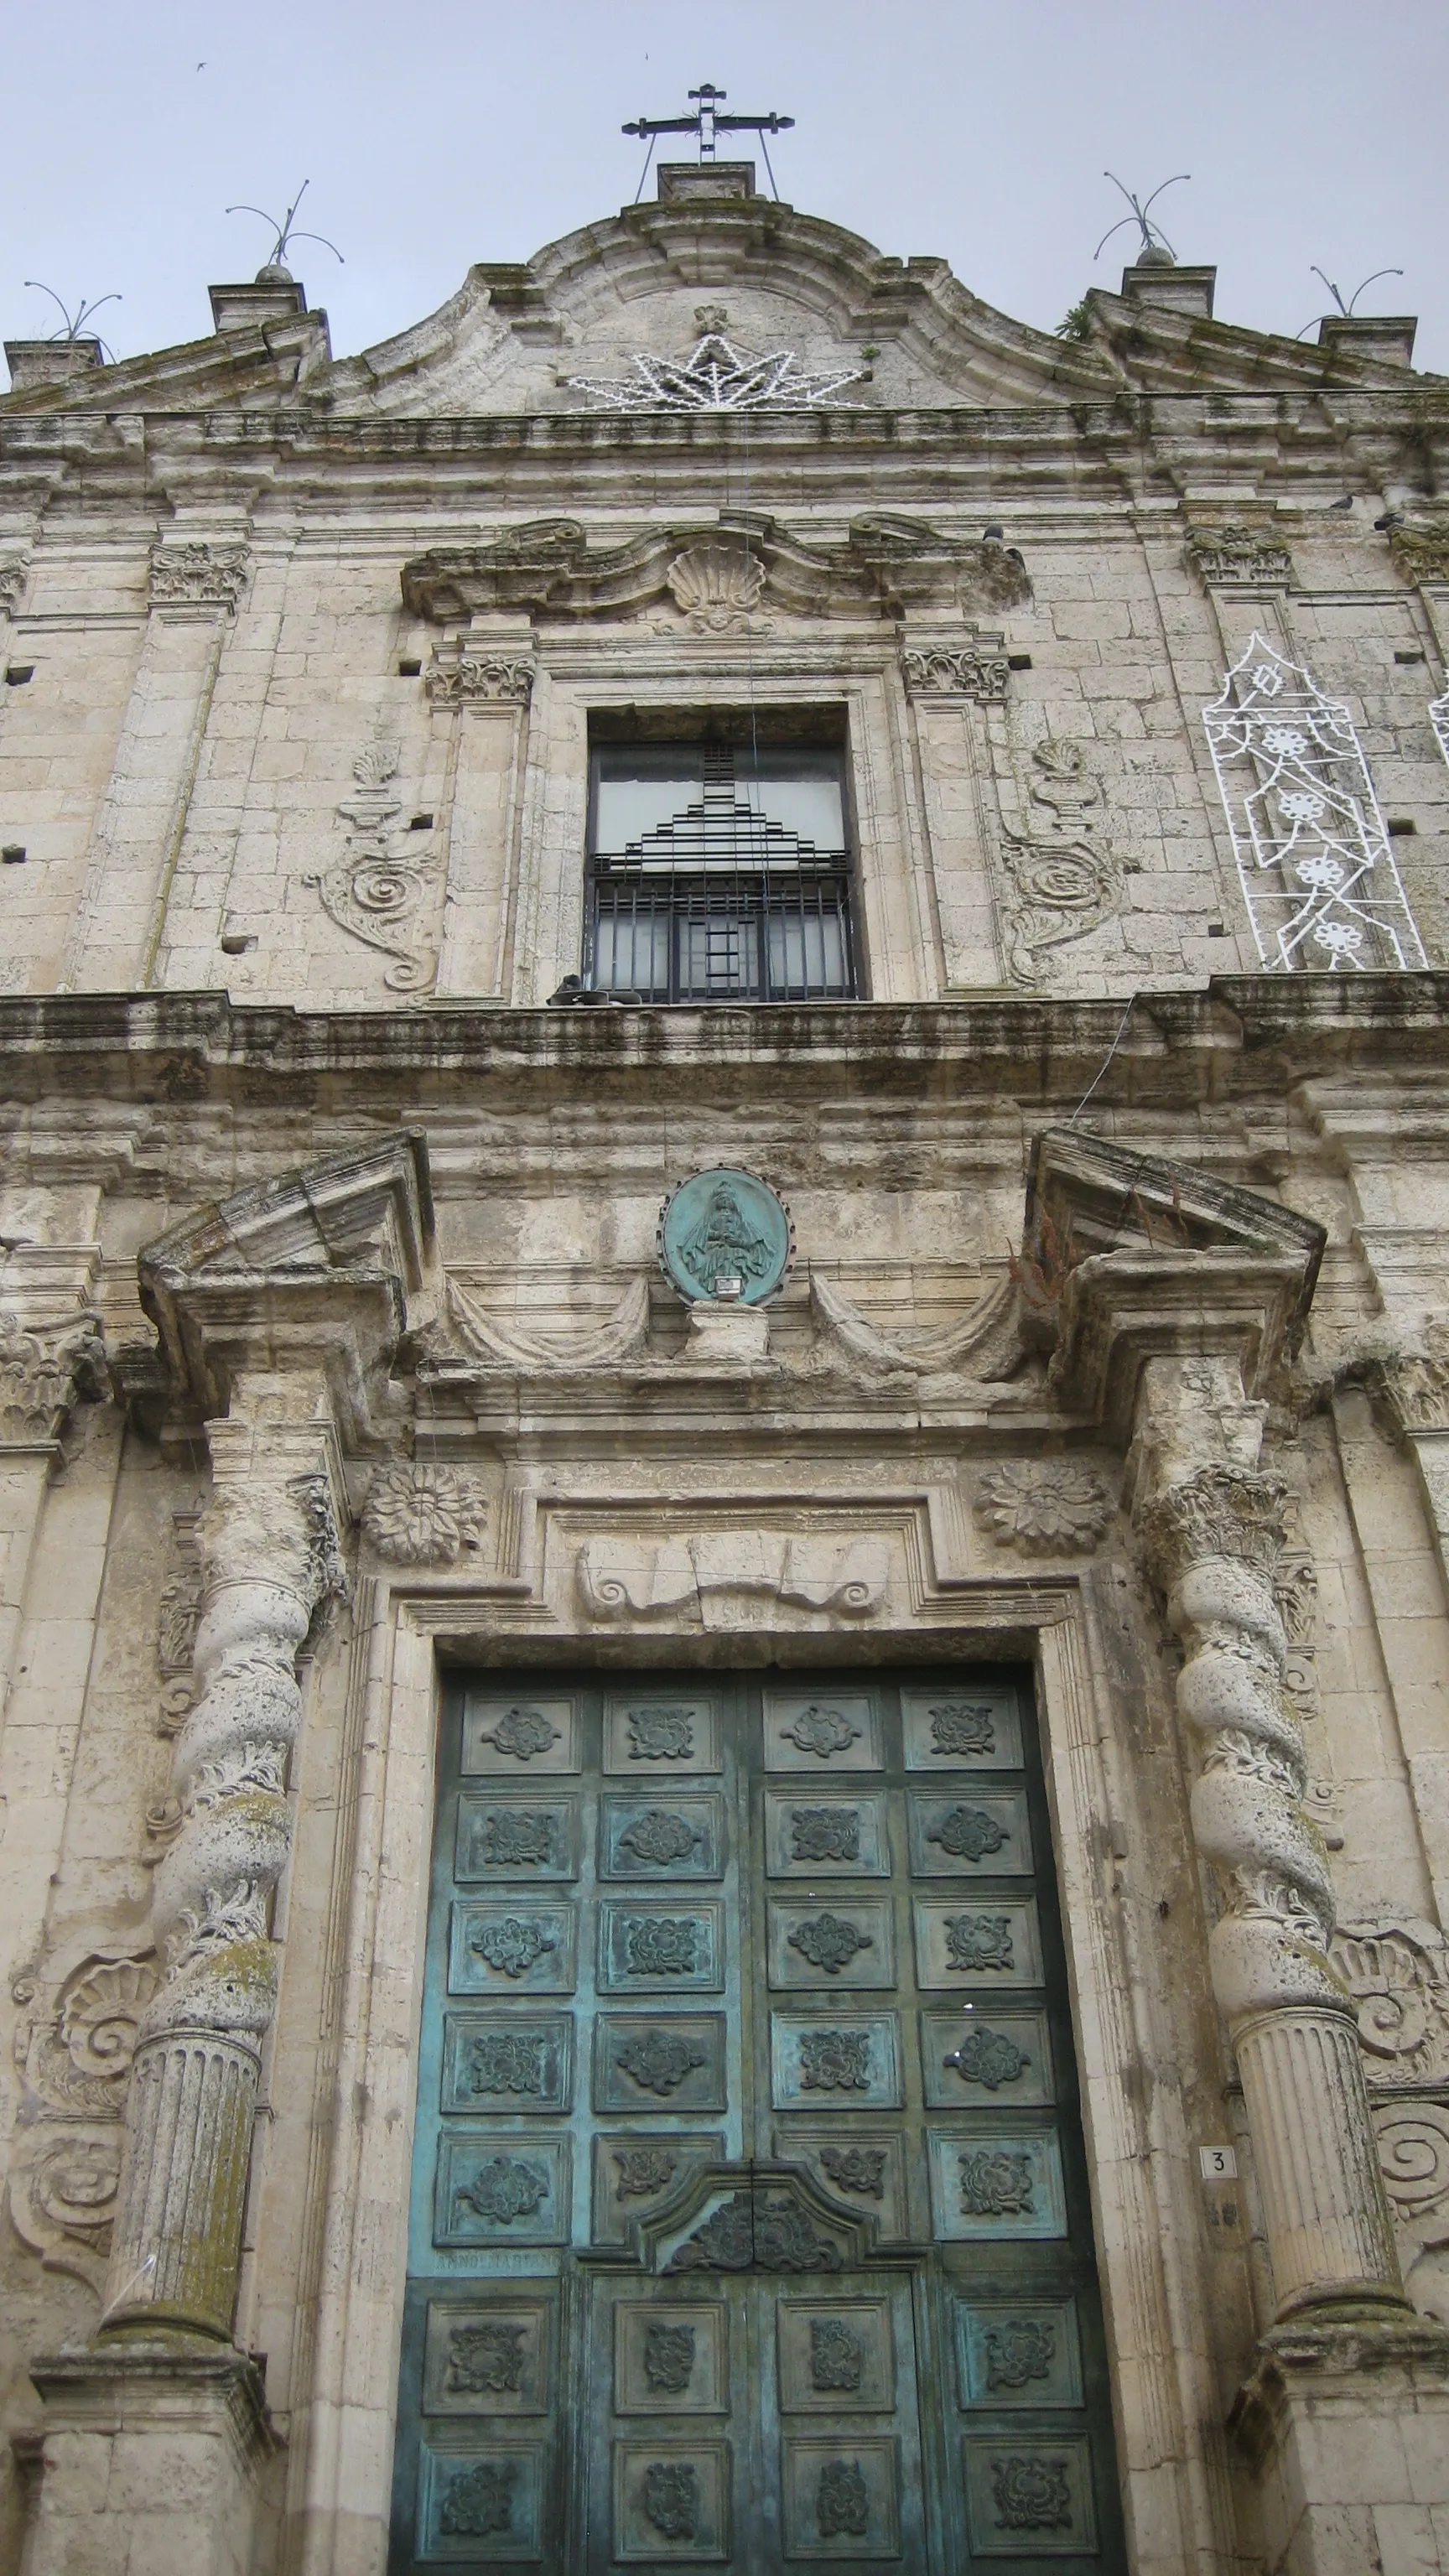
[725, 1381]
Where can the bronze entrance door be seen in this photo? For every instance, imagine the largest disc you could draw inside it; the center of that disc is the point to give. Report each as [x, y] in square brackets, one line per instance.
[749, 2223]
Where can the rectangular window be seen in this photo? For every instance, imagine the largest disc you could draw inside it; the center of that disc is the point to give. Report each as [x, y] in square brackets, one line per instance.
[719, 874]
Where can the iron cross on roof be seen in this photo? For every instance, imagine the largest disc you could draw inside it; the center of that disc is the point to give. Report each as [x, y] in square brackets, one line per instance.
[708, 122]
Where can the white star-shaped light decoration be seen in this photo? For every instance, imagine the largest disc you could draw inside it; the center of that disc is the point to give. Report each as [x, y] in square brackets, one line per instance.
[716, 376]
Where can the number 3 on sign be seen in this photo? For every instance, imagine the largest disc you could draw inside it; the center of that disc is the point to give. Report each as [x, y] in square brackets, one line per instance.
[1219, 2164]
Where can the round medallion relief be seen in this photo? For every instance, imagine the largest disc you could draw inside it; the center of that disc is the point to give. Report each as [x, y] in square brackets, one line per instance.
[721, 1226]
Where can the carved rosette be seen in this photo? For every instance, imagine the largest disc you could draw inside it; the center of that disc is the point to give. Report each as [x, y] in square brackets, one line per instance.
[197, 576]
[1211, 1542]
[423, 1515]
[270, 1556]
[1044, 1506]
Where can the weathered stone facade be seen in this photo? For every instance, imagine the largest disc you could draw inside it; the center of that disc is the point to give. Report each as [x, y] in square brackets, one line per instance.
[335, 1354]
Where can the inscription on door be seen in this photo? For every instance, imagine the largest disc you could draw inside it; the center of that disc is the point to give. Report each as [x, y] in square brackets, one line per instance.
[749, 2225]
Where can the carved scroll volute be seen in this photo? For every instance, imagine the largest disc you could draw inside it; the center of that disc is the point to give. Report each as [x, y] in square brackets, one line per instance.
[271, 1555]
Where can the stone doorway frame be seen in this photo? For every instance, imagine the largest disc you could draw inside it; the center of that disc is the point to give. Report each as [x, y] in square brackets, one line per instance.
[1165, 2385]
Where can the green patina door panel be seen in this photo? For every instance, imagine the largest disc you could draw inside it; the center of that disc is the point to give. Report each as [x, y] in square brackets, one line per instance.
[749, 2224]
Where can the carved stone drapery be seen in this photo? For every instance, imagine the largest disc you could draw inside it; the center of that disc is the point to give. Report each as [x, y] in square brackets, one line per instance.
[192, 575]
[271, 1555]
[1209, 1525]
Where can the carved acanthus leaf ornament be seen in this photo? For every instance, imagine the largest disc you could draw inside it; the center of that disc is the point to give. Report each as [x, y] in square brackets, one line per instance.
[1236, 554]
[43, 1374]
[1420, 549]
[197, 576]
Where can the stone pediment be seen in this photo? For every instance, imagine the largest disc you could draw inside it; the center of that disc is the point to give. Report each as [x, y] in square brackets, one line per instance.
[657, 277]
[318, 1267]
[888, 566]
[1128, 1258]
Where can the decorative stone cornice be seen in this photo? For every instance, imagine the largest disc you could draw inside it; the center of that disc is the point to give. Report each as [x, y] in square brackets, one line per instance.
[888, 566]
[192, 575]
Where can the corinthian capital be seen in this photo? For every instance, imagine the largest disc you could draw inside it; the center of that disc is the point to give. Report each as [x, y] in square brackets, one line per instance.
[1217, 1512]
[42, 1375]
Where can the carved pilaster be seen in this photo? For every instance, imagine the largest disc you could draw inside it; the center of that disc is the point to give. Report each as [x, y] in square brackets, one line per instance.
[1210, 1531]
[270, 1556]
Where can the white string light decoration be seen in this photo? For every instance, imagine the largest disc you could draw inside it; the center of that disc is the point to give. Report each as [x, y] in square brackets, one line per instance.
[1439, 719]
[1314, 860]
[716, 376]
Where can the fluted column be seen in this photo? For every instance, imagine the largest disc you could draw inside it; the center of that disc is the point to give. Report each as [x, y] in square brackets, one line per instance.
[1210, 1527]
[270, 1554]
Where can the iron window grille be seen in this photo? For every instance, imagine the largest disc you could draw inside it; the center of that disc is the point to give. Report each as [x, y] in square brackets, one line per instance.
[720, 899]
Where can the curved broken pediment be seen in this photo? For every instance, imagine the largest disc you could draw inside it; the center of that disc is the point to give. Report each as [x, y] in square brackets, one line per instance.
[887, 566]
[831, 320]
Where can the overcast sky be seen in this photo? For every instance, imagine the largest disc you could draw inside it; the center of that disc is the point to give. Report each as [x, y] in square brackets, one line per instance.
[437, 132]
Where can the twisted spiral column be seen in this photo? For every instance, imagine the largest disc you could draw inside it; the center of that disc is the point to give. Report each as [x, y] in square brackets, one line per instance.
[1210, 1532]
[270, 1555]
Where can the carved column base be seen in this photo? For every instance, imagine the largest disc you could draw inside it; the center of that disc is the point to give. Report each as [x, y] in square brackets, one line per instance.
[183, 2184]
[148, 2459]
[1346, 2430]
[1323, 2201]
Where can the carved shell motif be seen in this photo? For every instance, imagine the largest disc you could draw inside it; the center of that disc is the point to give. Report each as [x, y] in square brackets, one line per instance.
[716, 588]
